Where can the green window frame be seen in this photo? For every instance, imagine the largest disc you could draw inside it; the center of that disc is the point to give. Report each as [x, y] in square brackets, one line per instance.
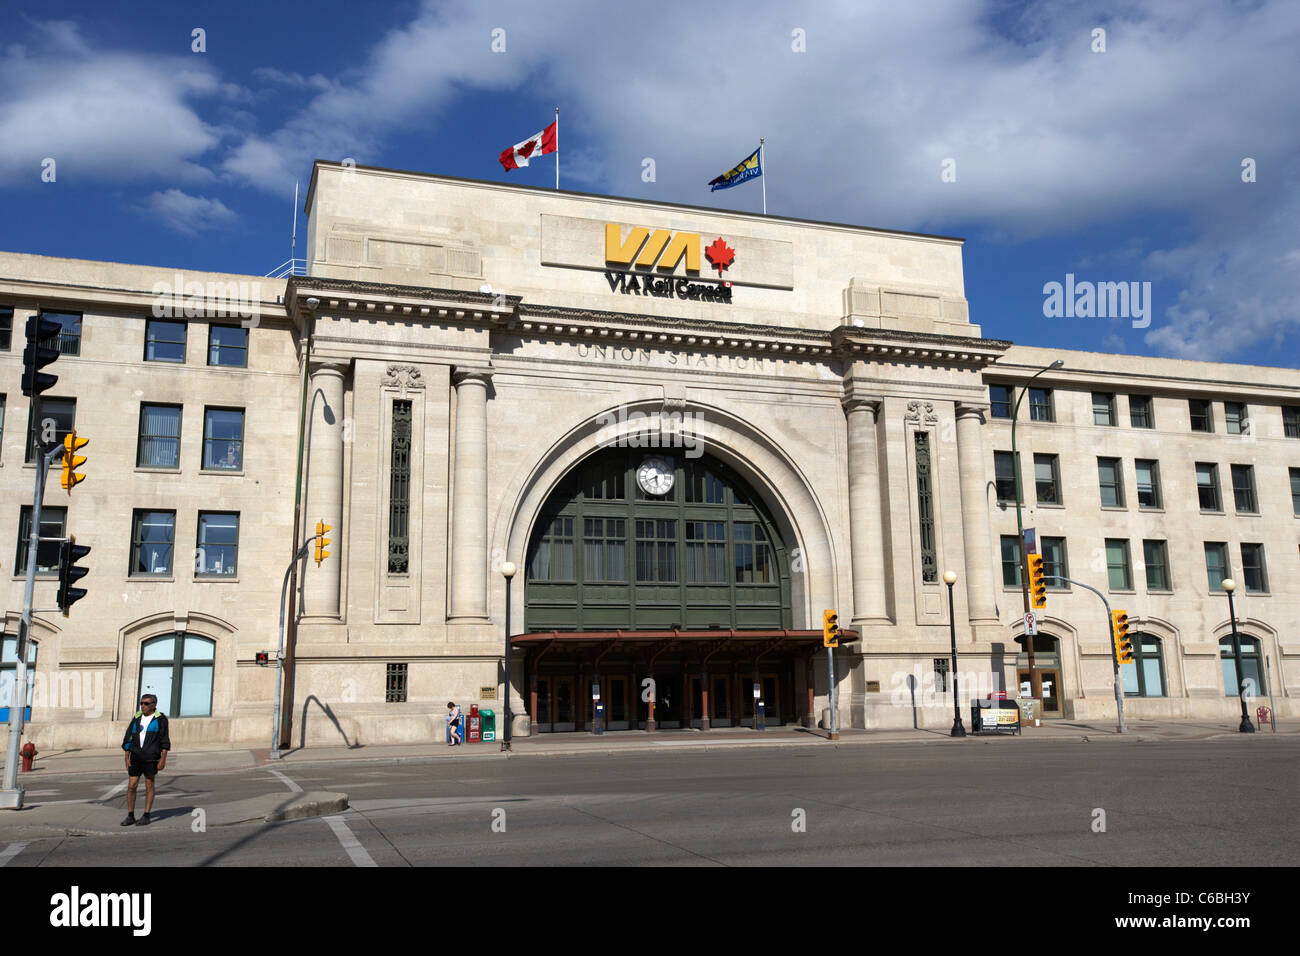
[1147, 472]
[1119, 571]
[1216, 564]
[228, 346]
[1207, 486]
[54, 524]
[1140, 411]
[179, 669]
[62, 411]
[1144, 676]
[218, 545]
[1155, 558]
[1110, 478]
[1010, 545]
[164, 341]
[153, 543]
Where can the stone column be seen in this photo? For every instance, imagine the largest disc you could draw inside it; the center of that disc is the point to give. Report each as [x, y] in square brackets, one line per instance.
[976, 536]
[469, 546]
[866, 532]
[324, 498]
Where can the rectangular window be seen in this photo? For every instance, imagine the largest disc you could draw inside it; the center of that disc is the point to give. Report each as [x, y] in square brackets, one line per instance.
[68, 339]
[1004, 475]
[1202, 419]
[395, 684]
[1111, 477]
[605, 550]
[223, 439]
[656, 550]
[1040, 405]
[6, 327]
[218, 554]
[58, 417]
[1139, 411]
[1252, 568]
[1207, 486]
[754, 562]
[1103, 408]
[553, 558]
[159, 444]
[1148, 483]
[1047, 479]
[228, 346]
[152, 536]
[1155, 555]
[399, 490]
[941, 674]
[925, 508]
[1000, 401]
[1054, 562]
[1235, 417]
[53, 522]
[1010, 561]
[164, 341]
[1243, 489]
[1295, 489]
[1216, 564]
[1118, 569]
[706, 552]
[1291, 421]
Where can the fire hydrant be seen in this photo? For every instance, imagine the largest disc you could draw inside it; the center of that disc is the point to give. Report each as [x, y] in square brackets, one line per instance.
[28, 753]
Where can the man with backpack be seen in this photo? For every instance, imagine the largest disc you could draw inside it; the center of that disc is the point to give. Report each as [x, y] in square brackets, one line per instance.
[146, 744]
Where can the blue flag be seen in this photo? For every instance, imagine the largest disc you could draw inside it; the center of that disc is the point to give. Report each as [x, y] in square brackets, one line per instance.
[751, 167]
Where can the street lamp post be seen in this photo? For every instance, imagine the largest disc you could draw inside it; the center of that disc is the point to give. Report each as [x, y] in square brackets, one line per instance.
[1035, 688]
[1246, 727]
[508, 571]
[950, 578]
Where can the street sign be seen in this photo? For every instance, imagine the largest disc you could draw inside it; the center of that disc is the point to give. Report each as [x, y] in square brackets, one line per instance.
[1031, 541]
[1031, 624]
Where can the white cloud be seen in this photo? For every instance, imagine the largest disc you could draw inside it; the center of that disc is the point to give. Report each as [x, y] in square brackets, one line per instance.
[186, 214]
[102, 115]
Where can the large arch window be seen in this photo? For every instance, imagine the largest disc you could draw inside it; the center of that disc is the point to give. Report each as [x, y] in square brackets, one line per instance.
[1144, 675]
[178, 669]
[1251, 671]
[606, 554]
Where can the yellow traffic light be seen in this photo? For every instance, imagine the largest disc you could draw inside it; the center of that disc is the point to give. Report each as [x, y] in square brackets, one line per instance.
[72, 461]
[831, 628]
[321, 541]
[1123, 645]
[1037, 586]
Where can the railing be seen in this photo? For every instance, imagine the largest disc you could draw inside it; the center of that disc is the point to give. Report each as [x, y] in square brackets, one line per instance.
[290, 267]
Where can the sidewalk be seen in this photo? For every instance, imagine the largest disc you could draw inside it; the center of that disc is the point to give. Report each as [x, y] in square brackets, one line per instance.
[615, 742]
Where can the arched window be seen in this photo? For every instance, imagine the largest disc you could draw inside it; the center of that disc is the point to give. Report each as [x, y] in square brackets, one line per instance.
[1144, 676]
[8, 672]
[178, 668]
[1251, 672]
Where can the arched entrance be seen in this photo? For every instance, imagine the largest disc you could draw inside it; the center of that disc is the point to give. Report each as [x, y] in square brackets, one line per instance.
[1047, 661]
[650, 570]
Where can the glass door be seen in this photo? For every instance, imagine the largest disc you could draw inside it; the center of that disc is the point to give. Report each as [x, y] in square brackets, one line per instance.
[720, 701]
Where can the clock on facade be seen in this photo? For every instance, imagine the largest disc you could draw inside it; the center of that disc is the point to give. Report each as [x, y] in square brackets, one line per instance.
[655, 476]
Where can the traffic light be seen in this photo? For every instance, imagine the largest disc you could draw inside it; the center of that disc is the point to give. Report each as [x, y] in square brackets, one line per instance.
[831, 628]
[1037, 586]
[1123, 646]
[69, 573]
[36, 356]
[71, 460]
[321, 541]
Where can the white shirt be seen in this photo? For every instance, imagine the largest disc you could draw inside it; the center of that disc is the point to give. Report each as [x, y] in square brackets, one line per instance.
[145, 721]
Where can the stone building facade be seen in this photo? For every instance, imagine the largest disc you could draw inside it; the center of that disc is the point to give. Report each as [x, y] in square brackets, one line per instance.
[692, 431]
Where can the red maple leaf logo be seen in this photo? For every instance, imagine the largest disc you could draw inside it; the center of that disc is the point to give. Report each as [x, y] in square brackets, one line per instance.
[527, 148]
[720, 254]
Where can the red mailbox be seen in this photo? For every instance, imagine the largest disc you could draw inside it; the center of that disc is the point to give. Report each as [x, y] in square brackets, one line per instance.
[474, 735]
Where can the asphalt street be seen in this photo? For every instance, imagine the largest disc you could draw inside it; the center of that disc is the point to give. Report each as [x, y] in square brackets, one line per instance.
[978, 801]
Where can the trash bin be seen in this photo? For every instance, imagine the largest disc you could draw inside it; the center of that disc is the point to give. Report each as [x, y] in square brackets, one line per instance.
[488, 719]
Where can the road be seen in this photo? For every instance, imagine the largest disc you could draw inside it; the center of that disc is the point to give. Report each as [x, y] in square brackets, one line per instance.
[977, 802]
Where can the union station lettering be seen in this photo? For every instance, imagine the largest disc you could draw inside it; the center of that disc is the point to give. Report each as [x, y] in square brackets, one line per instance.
[630, 282]
[688, 360]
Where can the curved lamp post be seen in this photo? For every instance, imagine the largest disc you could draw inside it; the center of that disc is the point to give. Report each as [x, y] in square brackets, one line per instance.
[958, 730]
[508, 572]
[1246, 727]
[1035, 688]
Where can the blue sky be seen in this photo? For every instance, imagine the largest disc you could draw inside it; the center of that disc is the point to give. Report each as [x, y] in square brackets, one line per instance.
[1122, 165]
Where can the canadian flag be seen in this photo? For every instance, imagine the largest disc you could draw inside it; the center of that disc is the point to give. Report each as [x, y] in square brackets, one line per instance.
[539, 145]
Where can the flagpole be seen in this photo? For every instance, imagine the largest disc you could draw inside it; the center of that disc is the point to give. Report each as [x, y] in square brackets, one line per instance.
[762, 172]
[557, 147]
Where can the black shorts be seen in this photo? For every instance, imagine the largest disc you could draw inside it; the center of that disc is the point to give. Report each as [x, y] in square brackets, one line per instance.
[142, 768]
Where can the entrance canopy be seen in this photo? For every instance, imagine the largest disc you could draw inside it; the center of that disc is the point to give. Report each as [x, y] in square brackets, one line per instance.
[734, 637]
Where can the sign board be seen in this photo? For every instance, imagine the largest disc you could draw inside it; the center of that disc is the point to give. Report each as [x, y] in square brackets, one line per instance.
[595, 692]
[873, 687]
[757, 691]
[995, 716]
[1031, 623]
[487, 693]
[1031, 541]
